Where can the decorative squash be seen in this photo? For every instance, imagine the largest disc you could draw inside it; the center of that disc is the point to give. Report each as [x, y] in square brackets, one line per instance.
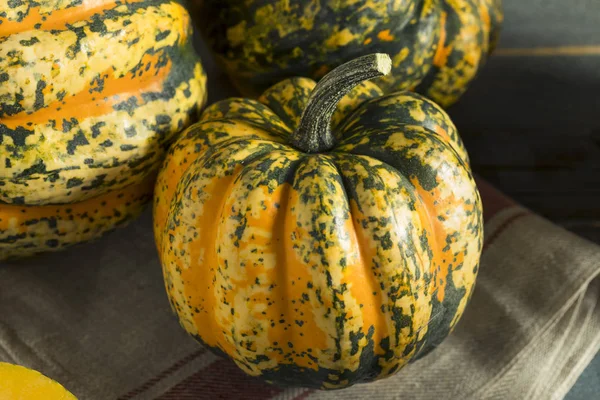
[314, 255]
[92, 92]
[437, 47]
[27, 230]
[18, 382]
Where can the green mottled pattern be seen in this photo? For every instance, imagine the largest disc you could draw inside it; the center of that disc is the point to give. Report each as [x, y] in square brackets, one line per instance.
[437, 46]
[405, 108]
[28, 230]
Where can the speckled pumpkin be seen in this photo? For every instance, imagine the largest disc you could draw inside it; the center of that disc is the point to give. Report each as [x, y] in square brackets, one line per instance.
[437, 46]
[317, 256]
[91, 92]
[27, 230]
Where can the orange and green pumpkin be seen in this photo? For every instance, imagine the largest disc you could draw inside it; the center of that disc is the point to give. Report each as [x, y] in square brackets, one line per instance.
[322, 235]
[437, 46]
[91, 95]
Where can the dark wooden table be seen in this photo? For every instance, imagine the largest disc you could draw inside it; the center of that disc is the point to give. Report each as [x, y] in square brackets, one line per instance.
[531, 121]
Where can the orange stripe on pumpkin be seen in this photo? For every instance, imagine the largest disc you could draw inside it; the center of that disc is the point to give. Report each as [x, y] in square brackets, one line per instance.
[15, 216]
[199, 276]
[436, 234]
[441, 54]
[90, 103]
[58, 19]
[364, 285]
[314, 337]
[385, 36]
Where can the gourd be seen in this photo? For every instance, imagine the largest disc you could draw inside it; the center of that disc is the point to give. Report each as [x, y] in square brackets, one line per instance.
[437, 46]
[322, 235]
[27, 230]
[91, 95]
[17, 382]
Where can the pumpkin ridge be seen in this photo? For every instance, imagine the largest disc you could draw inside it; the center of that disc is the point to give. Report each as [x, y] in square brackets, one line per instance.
[219, 169]
[288, 99]
[427, 186]
[315, 242]
[266, 128]
[430, 133]
[419, 111]
[365, 162]
[396, 127]
[251, 228]
[348, 186]
[178, 162]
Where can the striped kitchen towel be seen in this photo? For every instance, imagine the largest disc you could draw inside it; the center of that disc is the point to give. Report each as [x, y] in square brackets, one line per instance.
[97, 319]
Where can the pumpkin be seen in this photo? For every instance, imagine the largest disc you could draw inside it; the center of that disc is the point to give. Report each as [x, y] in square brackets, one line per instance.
[91, 92]
[91, 95]
[27, 230]
[322, 235]
[18, 382]
[437, 46]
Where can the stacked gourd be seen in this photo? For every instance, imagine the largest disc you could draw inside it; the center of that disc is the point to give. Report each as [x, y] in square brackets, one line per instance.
[91, 95]
[319, 234]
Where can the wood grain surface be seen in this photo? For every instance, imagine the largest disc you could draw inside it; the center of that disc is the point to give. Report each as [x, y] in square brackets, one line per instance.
[531, 120]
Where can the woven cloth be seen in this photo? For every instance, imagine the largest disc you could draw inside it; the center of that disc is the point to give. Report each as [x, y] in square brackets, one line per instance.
[97, 319]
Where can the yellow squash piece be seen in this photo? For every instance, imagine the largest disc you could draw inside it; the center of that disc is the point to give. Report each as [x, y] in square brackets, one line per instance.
[20, 383]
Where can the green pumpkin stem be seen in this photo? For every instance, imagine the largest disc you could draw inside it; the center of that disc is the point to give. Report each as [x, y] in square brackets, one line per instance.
[314, 134]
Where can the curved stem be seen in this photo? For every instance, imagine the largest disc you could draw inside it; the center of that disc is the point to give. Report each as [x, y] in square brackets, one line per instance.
[314, 134]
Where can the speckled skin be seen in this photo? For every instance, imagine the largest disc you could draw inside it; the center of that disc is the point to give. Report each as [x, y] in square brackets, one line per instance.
[29, 230]
[327, 269]
[437, 46]
[91, 93]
